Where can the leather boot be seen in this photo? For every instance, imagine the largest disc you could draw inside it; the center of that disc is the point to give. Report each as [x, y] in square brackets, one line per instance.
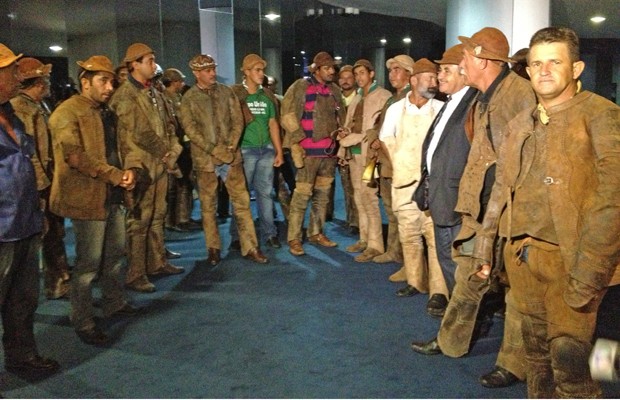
[183, 206]
[569, 360]
[299, 203]
[415, 266]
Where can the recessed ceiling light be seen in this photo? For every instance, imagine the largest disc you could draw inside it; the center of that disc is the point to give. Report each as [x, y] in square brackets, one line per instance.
[383, 41]
[407, 40]
[272, 16]
[337, 58]
[302, 52]
[598, 19]
[55, 48]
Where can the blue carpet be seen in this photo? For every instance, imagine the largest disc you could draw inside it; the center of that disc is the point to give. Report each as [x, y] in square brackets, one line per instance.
[317, 326]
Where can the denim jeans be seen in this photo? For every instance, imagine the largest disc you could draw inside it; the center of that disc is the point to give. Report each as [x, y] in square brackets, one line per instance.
[99, 248]
[444, 236]
[258, 169]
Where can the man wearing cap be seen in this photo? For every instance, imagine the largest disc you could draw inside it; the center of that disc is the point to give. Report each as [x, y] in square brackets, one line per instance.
[399, 73]
[180, 200]
[261, 146]
[555, 200]
[444, 155]
[403, 132]
[503, 94]
[212, 119]
[88, 187]
[34, 112]
[21, 222]
[361, 116]
[346, 81]
[149, 144]
[312, 113]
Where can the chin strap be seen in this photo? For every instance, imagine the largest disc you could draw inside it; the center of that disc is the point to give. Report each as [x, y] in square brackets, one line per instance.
[542, 113]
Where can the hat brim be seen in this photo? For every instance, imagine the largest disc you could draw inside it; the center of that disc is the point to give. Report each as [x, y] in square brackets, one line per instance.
[95, 68]
[10, 60]
[485, 54]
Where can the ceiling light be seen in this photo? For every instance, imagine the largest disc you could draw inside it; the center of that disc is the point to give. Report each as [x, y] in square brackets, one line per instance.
[272, 16]
[383, 41]
[302, 52]
[337, 58]
[598, 19]
[55, 48]
[407, 40]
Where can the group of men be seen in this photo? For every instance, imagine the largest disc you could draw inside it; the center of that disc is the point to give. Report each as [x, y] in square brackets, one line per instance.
[491, 185]
[505, 179]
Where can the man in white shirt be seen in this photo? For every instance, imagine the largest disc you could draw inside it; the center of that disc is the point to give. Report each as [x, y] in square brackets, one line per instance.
[403, 132]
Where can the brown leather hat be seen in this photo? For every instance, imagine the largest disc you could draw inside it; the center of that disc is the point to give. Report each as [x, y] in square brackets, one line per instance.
[29, 67]
[453, 55]
[321, 59]
[363, 63]
[423, 65]
[173, 75]
[251, 60]
[202, 61]
[97, 63]
[136, 51]
[345, 68]
[488, 43]
[403, 60]
[7, 57]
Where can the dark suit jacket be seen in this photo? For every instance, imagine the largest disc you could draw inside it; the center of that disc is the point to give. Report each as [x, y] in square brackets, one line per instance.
[449, 161]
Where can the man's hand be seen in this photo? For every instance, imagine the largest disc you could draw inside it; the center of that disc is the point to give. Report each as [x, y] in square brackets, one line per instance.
[278, 160]
[484, 271]
[129, 180]
[376, 144]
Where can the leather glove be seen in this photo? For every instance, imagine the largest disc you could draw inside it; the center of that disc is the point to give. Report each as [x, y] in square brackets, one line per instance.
[222, 153]
[578, 294]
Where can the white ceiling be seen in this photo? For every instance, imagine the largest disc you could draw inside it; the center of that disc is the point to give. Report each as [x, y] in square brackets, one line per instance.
[570, 13]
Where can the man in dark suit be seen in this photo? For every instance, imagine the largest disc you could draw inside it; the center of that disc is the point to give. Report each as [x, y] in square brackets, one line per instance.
[444, 155]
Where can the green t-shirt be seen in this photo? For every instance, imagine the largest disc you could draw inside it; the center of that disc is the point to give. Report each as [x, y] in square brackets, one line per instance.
[256, 134]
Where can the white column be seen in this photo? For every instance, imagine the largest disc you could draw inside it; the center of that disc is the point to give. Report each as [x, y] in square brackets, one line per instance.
[217, 39]
[517, 19]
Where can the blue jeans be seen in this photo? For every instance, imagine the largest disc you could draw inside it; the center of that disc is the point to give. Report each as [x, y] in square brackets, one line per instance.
[444, 236]
[258, 169]
[100, 249]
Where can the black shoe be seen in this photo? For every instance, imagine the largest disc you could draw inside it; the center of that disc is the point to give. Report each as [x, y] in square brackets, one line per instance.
[171, 254]
[407, 291]
[426, 348]
[34, 364]
[235, 245]
[93, 336]
[189, 226]
[274, 242]
[436, 306]
[498, 378]
[126, 311]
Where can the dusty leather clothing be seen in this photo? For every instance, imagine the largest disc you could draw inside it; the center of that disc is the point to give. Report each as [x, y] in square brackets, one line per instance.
[145, 128]
[373, 105]
[329, 112]
[213, 121]
[383, 158]
[77, 130]
[35, 118]
[583, 188]
[511, 96]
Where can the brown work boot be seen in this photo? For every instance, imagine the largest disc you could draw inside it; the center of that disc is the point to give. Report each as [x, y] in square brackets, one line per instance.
[168, 269]
[257, 256]
[386, 257]
[357, 247]
[141, 284]
[296, 248]
[398, 276]
[323, 240]
[367, 255]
